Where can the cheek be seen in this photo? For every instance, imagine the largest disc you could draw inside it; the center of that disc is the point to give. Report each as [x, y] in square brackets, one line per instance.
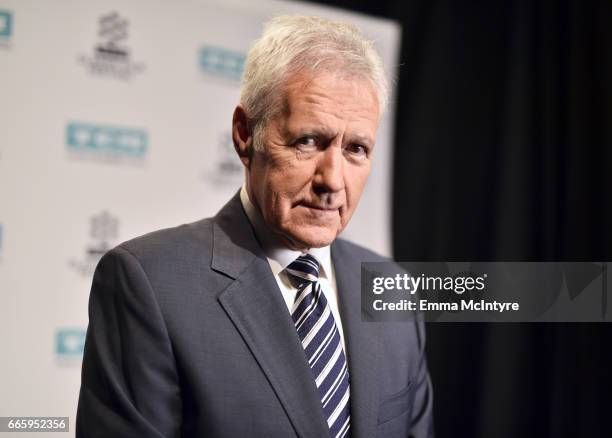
[355, 184]
[283, 189]
[290, 180]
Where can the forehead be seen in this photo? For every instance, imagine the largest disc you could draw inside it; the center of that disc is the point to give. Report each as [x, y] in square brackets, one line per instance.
[331, 98]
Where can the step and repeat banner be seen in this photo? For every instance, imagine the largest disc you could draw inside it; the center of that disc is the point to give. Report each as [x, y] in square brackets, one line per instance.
[115, 121]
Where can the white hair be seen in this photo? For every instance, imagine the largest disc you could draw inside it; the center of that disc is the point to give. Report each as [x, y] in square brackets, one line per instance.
[294, 44]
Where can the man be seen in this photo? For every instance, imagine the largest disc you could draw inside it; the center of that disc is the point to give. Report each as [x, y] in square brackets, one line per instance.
[249, 323]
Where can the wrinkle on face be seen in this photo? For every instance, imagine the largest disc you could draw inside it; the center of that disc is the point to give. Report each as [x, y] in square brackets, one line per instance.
[307, 196]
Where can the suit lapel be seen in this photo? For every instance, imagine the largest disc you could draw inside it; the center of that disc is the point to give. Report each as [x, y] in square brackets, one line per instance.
[254, 303]
[363, 343]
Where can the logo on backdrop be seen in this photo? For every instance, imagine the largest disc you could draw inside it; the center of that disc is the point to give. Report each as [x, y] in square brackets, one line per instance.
[104, 230]
[222, 63]
[111, 56]
[225, 169]
[6, 28]
[106, 143]
[69, 343]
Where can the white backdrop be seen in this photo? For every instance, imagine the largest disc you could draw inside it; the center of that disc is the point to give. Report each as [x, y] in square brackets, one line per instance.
[115, 121]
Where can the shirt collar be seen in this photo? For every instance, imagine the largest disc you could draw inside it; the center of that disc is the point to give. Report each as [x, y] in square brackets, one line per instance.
[278, 255]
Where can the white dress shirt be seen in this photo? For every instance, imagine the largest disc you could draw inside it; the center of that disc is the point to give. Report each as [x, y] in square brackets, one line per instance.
[280, 257]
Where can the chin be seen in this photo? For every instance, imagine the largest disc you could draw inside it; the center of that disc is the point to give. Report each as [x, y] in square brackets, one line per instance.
[312, 238]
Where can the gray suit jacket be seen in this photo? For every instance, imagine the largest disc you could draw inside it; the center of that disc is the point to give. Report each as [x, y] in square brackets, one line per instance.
[189, 336]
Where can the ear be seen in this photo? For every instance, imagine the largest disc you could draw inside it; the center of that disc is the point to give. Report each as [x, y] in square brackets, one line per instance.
[241, 134]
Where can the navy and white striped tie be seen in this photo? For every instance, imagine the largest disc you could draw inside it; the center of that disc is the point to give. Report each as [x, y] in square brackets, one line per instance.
[317, 329]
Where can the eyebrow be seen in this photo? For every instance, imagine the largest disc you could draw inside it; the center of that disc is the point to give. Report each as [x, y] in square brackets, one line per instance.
[354, 138]
[367, 141]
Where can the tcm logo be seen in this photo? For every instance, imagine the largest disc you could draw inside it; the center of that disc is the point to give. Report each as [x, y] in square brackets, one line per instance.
[106, 140]
[111, 56]
[221, 62]
[69, 342]
[6, 26]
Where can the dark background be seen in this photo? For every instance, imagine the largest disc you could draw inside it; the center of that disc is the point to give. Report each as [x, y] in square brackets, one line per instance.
[503, 151]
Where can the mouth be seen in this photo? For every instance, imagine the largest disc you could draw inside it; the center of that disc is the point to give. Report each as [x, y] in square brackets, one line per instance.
[316, 207]
[321, 211]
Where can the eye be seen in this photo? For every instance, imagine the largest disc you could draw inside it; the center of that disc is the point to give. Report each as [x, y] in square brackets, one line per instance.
[357, 150]
[307, 143]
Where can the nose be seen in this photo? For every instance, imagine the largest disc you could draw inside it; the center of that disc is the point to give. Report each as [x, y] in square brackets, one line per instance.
[329, 175]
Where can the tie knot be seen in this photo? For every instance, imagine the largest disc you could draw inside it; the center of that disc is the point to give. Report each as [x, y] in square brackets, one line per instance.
[305, 267]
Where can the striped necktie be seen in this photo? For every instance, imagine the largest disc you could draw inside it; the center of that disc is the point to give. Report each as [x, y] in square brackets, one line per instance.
[317, 329]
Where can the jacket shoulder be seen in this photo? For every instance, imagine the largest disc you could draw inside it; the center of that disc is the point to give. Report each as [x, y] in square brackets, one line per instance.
[183, 241]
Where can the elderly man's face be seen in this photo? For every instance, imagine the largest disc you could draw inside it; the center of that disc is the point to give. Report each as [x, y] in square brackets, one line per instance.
[316, 159]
